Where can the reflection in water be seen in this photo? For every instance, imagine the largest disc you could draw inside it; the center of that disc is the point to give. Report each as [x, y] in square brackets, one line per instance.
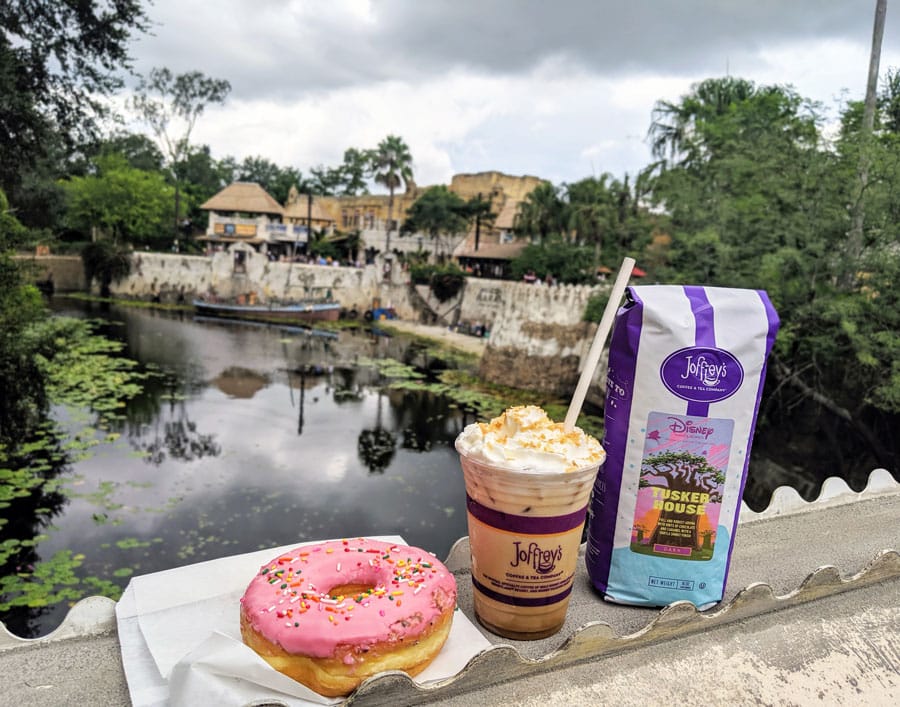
[238, 382]
[180, 439]
[30, 504]
[302, 378]
[230, 462]
[376, 449]
[376, 446]
[158, 423]
[346, 387]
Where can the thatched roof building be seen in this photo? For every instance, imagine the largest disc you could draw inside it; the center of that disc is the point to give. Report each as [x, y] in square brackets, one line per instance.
[245, 198]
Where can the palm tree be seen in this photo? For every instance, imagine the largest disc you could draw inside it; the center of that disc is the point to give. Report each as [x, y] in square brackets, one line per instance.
[542, 212]
[392, 168]
[478, 211]
[592, 211]
[674, 123]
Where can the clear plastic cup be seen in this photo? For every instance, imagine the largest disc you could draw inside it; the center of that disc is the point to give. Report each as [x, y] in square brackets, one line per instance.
[525, 529]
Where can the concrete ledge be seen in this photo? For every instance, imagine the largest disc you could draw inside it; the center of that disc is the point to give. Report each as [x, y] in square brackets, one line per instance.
[811, 615]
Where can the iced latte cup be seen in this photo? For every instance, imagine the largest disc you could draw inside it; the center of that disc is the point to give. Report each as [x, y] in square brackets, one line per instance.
[528, 483]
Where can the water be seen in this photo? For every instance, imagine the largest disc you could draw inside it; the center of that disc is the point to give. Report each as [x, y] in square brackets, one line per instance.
[253, 437]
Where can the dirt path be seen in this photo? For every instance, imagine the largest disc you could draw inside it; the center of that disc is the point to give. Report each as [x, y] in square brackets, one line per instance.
[463, 342]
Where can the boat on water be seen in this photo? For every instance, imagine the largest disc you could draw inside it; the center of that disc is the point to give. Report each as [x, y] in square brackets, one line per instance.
[312, 311]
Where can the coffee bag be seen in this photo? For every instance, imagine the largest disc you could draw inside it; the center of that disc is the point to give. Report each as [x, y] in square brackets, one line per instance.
[686, 372]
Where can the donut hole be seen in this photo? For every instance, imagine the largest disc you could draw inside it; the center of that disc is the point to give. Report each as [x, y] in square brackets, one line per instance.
[351, 590]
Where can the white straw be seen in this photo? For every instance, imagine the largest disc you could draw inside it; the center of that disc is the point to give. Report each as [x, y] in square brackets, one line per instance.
[593, 358]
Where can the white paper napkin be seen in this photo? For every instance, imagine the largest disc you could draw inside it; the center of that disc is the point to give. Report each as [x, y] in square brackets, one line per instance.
[179, 632]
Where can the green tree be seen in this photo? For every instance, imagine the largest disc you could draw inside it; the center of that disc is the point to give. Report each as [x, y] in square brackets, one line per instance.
[106, 262]
[119, 202]
[542, 213]
[566, 262]
[593, 212]
[22, 394]
[274, 179]
[481, 209]
[747, 172]
[201, 177]
[58, 61]
[171, 104]
[438, 212]
[755, 197]
[347, 179]
[675, 125]
[391, 164]
[353, 172]
[139, 151]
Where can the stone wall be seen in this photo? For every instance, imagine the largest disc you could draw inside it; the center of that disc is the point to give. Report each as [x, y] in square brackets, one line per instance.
[66, 271]
[538, 339]
[172, 277]
[537, 336]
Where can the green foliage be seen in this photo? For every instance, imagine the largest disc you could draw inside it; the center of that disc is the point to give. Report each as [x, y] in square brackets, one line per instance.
[105, 262]
[755, 197]
[50, 582]
[391, 166]
[601, 213]
[163, 97]
[445, 280]
[12, 233]
[347, 179]
[391, 163]
[87, 371]
[542, 213]
[276, 180]
[488, 400]
[139, 151]
[200, 177]
[125, 204]
[437, 212]
[22, 394]
[320, 244]
[57, 63]
[596, 305]
[391, 368]
[73, 368]
[566, 262]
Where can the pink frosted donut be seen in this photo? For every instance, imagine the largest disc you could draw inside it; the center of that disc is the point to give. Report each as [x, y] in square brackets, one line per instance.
[333, 614]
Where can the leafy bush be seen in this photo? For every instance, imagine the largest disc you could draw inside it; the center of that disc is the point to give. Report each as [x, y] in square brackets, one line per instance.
[593, 312]
[567, 263]
[445, 280]
[106, 262]
[420, 273]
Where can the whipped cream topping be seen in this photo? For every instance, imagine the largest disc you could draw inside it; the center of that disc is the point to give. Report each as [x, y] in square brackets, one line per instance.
[524, 438]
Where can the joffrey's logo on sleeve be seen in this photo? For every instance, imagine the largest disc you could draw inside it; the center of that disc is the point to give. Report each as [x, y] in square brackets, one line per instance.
[542, 561]
[702, 374]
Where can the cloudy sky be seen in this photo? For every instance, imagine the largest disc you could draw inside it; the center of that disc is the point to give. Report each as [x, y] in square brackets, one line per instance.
[562, 90]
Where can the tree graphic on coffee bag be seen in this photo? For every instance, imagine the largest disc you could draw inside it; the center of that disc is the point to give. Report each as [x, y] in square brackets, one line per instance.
[683, 485]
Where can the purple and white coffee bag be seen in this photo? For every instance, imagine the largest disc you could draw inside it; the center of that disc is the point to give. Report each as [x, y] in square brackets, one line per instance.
[686, 372]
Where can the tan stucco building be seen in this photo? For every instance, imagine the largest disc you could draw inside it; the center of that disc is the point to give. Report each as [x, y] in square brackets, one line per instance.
[245, 212]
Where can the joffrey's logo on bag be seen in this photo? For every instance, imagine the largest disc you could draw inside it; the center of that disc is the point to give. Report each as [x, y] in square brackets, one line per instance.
[702, 374]
[542, 561]
[709, 372]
